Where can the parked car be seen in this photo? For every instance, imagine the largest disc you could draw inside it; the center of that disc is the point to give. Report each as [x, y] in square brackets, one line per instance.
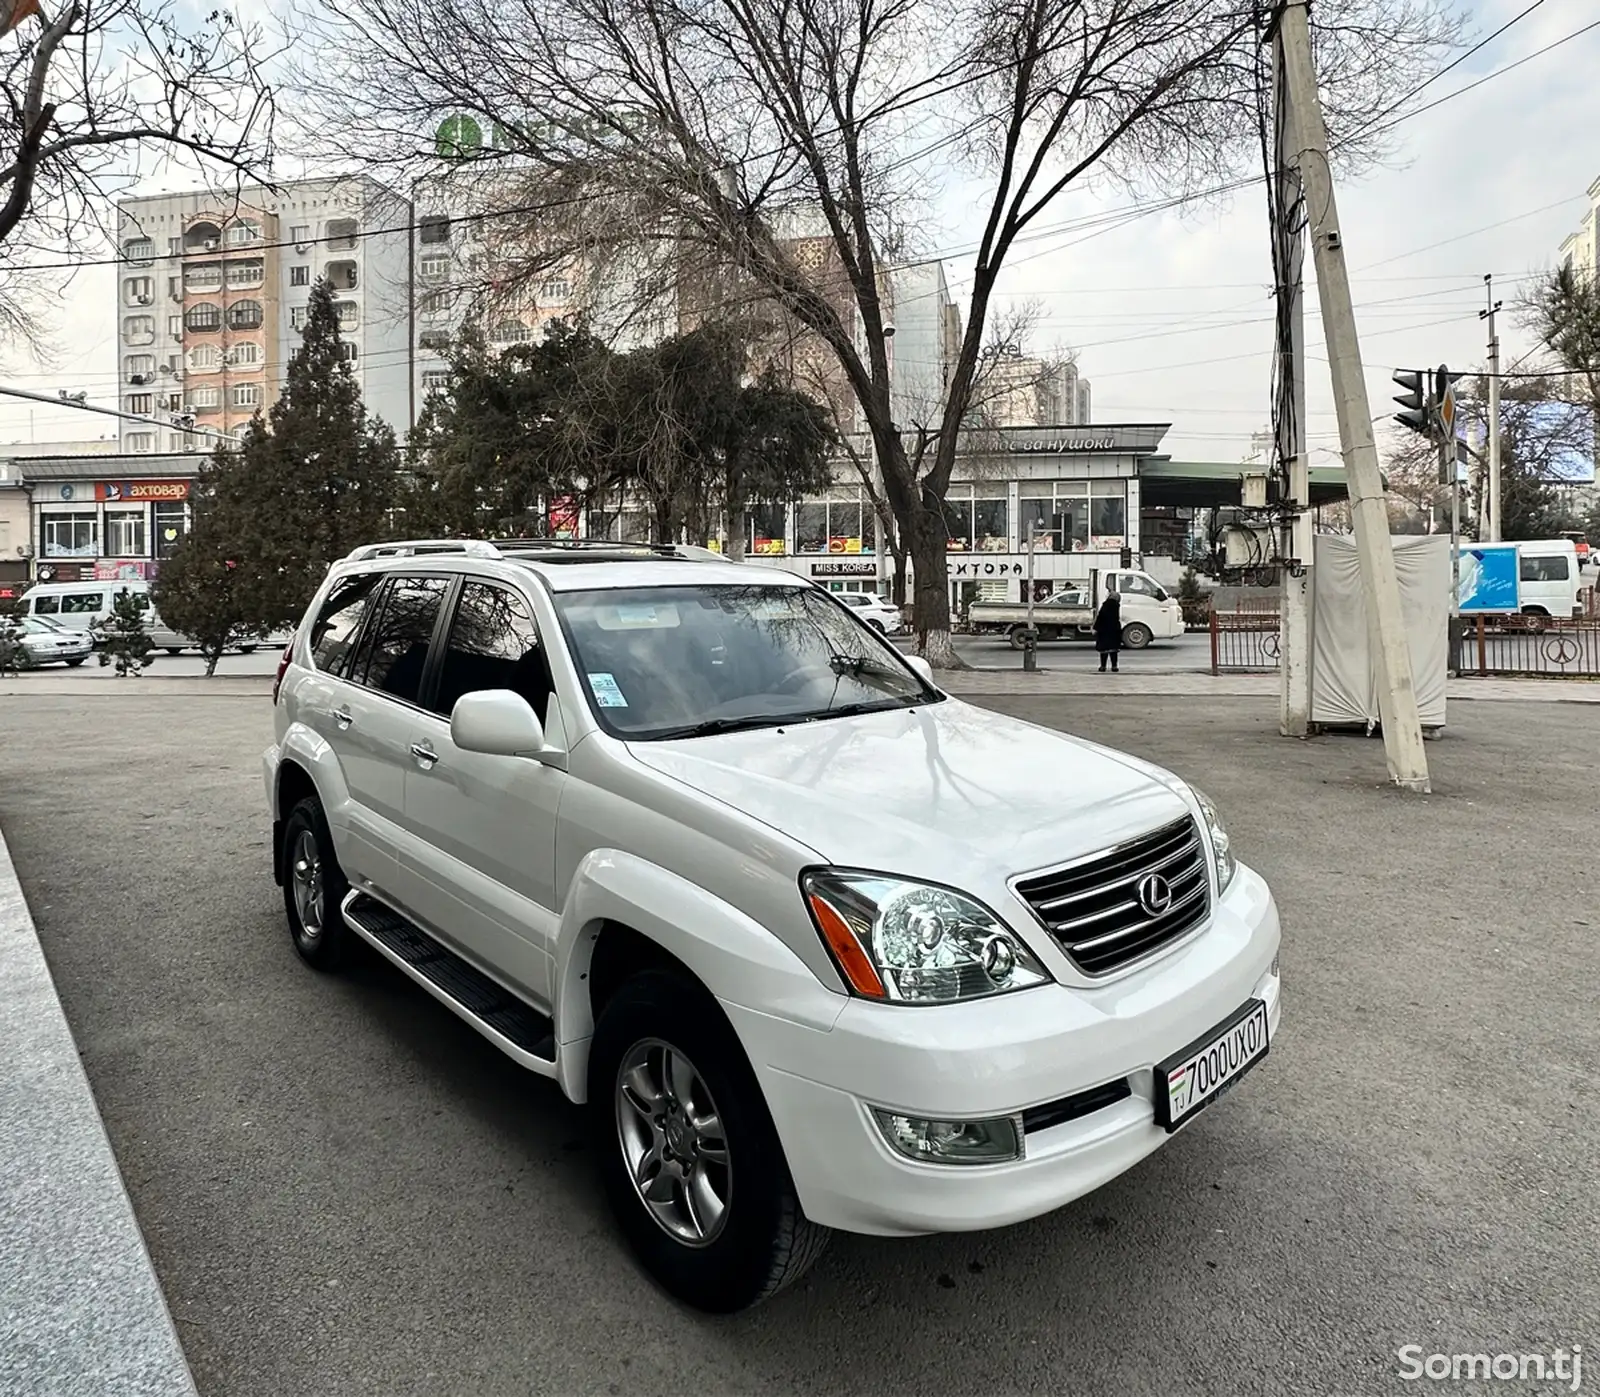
[45, 643]
[815, 944]
[163, 637]
[883, 616]
[80, 606]
[1149, 612]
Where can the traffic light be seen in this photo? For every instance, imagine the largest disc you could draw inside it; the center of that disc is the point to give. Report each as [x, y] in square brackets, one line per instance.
[1416, 400]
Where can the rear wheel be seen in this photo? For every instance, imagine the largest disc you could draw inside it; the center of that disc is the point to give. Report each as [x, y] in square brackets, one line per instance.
[174, 650]
[314, 888]
[247, 649]
[74, 663]
[876, 624]
[687, 1151]
[1019, 637]
[1136, 635]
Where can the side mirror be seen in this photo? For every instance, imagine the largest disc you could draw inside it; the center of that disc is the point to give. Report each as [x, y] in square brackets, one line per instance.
[497, 722]
[921, 666]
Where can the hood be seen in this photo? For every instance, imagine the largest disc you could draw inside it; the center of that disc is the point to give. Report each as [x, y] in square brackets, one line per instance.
[948, 792]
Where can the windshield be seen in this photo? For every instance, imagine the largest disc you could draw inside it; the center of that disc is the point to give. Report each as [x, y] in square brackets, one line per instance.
[664, 662]
[37, 625]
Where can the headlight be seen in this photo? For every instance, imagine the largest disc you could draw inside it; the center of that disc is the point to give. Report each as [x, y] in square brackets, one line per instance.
[1221, 845]
[914, 942]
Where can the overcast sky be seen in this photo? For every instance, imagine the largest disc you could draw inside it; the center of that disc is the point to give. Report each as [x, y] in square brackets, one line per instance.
[1170, 316]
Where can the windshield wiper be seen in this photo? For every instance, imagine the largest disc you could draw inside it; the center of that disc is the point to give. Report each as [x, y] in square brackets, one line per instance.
[850, 710]
[712, 726]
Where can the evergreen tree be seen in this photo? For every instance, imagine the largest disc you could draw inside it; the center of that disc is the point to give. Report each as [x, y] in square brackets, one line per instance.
[127, 640]
[220, 583]
[321, 474]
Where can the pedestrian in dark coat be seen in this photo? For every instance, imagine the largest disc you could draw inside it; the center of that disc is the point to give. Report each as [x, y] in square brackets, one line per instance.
[1108, 630]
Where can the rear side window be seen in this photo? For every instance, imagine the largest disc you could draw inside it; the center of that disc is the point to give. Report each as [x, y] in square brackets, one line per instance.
[82, 603]
[46, 606]
[1544, 569]
[333, 637]
[397, 654]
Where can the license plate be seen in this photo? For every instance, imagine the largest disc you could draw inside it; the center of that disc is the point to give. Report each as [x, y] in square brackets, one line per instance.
[1192, 1079]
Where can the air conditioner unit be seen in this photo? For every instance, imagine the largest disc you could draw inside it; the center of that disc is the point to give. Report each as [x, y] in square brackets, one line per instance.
[24, 550]
[211, 244]
[302, 247]
[141, 300]
[138, 380]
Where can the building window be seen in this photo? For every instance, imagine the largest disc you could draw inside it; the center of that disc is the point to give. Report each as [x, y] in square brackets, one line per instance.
[139, 367]
[769, 524]
[435, 340]
[300, 235]
[300, 275]
[172, 523]
[349, 314]
[512, 332]
[976, 518]
[434, 230]
[203, 278]
[341, 234]
[435, 378]
[141, 403]
[245, 355]
[141, 441]
[435, 303]
[204, 359]
[248, 272]
[139, 251]
[347, 351]
[245, 315]
[434, 265]
[243, 232]
[297, 317]
[832, 525]
[205, 399]
[125, 534]
[205, 316]
[174, 247]
[556, 291]
[175, 327]
[70, 535]
[139, 329]
[174, 288]
[247, 395]
[1074, 516]
[137, 291]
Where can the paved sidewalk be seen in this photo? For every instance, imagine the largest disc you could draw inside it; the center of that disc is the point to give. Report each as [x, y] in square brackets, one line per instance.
[80, 1308]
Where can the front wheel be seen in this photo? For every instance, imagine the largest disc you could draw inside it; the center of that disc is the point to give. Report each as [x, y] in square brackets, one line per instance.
[1136, 635]
[247, 649]
[687, 1152]
[74, 663]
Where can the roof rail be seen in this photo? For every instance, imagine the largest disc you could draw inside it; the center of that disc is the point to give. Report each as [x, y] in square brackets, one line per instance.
[403, 548]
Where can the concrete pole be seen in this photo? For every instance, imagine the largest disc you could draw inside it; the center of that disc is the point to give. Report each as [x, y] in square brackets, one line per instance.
[1397, 695]
[1492, 496]
[1294, 637]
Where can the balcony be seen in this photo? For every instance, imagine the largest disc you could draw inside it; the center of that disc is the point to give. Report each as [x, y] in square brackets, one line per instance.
[341, 276]
[204, 236]
[342, 235]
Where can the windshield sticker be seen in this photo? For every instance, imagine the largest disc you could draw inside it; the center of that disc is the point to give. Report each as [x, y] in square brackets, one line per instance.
[636, 617]
[605, 690]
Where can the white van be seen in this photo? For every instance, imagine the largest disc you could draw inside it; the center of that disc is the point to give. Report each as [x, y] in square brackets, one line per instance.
[80, 606]
[1548, 577]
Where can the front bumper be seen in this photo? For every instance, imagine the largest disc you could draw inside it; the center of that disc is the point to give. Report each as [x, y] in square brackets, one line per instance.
[994, 1058]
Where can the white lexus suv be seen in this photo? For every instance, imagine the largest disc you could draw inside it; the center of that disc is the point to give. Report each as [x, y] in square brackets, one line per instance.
[818, 945]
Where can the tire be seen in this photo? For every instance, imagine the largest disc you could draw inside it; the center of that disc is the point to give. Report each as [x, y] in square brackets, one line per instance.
[876, 625]
[760, 1241]
[1534, 618]
[173, 650]
[73, 664]
[1136, 635]
[247, 649]
[327, 945]
[1018, 637]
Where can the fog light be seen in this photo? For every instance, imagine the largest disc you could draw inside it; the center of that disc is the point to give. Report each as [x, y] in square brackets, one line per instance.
[952, 1142]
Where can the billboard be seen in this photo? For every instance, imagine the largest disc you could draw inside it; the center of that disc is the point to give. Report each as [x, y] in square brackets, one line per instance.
[1489, 578]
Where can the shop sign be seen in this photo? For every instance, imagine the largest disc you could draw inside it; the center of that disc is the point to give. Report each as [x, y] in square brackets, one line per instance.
[63, 572]
[140, 491]
[768, 545]
[861, 569]
[1059, 446]
[122, 570]
[979, 567]
[844, 545]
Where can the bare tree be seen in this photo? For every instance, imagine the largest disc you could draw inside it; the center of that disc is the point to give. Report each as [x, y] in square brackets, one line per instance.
[1562, 309]
[708, 133]
[91, 89]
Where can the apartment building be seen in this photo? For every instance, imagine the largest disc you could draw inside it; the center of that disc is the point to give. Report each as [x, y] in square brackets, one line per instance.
[1019, 390]
[213, 292]
[1581, 250]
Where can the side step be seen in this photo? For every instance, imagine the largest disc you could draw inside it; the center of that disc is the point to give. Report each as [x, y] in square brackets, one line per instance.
[519, 1030]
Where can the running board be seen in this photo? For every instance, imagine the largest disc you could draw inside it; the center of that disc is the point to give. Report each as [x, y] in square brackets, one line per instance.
[519, 1030]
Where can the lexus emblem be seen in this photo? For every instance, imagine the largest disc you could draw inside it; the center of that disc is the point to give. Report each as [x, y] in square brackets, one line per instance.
[1155, 894]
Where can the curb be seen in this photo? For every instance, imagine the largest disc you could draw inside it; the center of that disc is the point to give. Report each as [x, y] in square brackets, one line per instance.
[81, 1309]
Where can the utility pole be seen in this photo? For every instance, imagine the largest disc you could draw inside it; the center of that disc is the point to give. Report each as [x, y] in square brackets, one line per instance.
[1288, 206]
[1491, 505]
[1397, 695]
[1444, 398]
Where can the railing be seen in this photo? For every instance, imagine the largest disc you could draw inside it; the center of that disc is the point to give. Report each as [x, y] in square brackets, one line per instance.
[1531, 646]
[1244, 641]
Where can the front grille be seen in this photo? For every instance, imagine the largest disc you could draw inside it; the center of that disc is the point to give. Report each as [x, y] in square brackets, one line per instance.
[1093, 906]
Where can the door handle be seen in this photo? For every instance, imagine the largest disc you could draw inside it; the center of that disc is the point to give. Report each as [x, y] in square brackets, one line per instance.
[424, 754]
[343, 717]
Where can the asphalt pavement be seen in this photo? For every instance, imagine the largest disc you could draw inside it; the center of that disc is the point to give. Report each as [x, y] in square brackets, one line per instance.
[345, 1190]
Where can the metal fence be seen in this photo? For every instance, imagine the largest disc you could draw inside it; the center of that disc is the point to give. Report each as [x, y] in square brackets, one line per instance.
[1531, 646]
[1244, 641]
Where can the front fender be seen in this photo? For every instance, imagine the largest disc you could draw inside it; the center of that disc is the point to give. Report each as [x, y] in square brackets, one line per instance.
[740, 961]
